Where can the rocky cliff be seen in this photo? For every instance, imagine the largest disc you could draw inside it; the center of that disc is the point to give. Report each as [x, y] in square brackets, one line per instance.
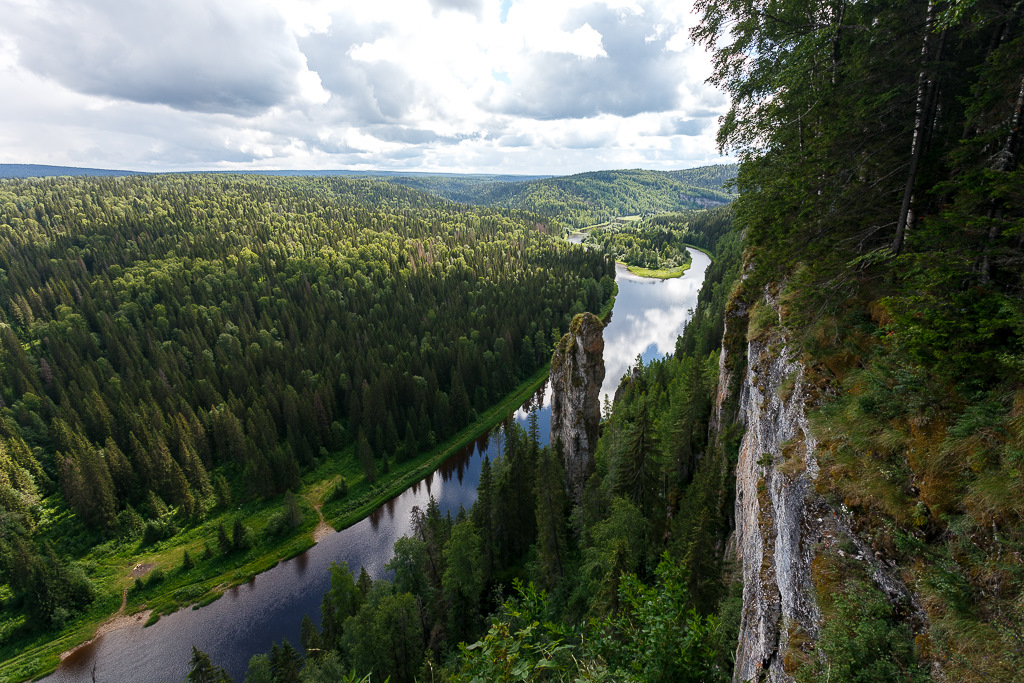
[577, 371]
[783, 526]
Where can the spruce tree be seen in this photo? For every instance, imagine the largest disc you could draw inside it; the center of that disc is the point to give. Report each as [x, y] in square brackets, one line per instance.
[202, 670]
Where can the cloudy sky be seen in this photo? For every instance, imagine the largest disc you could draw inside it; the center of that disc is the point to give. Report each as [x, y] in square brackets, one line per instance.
[492, 86]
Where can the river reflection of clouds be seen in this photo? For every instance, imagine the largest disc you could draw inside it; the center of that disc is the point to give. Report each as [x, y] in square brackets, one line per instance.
[250, 618]
[649, 315]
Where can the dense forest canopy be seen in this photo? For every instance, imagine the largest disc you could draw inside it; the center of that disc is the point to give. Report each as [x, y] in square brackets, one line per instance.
[596, 197]
[171, 343]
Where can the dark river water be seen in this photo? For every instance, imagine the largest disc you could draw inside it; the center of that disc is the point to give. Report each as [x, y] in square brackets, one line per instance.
[647, 318]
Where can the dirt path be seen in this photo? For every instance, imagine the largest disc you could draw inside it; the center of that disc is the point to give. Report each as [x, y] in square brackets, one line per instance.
[323, 528]
[117, 620]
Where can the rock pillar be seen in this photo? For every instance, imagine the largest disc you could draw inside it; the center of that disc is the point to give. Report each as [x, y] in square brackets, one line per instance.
[577, 371]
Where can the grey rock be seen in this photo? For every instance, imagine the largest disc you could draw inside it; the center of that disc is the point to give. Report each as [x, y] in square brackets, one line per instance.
[577, 371]
[781, 522]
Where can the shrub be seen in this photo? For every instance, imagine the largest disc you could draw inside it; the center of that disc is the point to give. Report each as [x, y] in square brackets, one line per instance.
[156, 576]
[861, 641]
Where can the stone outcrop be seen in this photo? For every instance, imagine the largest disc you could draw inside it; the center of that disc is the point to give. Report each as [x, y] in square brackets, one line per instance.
[778, 516]
[577, 372]
[782, 523]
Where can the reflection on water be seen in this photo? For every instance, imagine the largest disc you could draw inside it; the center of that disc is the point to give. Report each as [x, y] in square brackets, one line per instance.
[249, 618]
[647, 318]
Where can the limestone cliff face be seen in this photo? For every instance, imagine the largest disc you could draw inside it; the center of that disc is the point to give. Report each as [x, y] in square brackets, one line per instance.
[577, 371]
[782, 524]
[778, 516]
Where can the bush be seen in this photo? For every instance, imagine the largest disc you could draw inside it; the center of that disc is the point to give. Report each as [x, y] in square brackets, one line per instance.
[861, 642]
[240, 536]
[156, 576]
[340, 489]
[158, 530]
[286, 520]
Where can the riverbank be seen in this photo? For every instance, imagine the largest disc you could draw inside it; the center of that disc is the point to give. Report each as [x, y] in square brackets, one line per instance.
[364, 498]
[661, 274]
[166, 583]
[168, 586]
[669, 273]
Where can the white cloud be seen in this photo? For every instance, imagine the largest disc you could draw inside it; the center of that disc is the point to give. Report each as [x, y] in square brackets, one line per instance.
[559, 86]
[191, 54]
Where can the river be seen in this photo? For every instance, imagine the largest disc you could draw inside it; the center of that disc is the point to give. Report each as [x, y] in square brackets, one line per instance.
[647, 317]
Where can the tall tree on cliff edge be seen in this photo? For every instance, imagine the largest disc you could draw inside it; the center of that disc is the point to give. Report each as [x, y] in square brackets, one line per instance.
[855, 121]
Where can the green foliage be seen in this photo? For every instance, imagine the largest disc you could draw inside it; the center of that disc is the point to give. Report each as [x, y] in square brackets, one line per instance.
[159, 530]
[53, 588]
[518, 646]
[591, 198]
[656, 636]
[259, 670]
[287, 519]
[407, 564]
[861, 641]
[552, 543]
[240, 536]
[155, 577]
[386, 635]
[285, 663]
[462, 581]
[340, 489]
[202, 670]
[329, 669]
[223, 540]
[340, 602]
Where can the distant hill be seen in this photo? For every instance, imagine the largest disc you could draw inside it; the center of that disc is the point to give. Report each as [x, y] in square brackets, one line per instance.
[412, 176]
[577, 200]
[590, 198]
[43, 171]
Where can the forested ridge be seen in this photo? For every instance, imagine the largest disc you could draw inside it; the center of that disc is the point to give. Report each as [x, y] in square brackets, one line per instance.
[173, 344]
[660, 241]
[595, 197]
[880, 189]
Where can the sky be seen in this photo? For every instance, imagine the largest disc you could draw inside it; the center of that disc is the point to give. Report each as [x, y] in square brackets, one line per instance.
[474, 86]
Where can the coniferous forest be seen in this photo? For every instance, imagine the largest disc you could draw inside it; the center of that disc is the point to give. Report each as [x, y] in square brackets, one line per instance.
[591, 198]
[176, 344]
[173, 346]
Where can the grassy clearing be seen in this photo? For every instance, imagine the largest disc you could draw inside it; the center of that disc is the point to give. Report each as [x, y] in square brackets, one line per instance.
[666, 274]
[615, 222]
